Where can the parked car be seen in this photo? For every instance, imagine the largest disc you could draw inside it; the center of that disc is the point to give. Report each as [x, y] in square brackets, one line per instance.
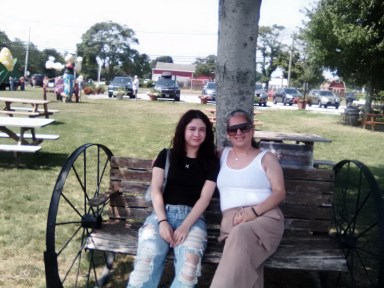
[121, 83]
[286, 96]
[209, 89]
[261, 96]
[168, 87]
[324, 98]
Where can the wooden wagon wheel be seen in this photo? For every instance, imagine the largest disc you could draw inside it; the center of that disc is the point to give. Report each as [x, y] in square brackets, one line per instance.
[71, 219]
[358, 219]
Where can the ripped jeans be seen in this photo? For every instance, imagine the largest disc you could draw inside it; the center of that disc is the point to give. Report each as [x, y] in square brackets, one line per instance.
[152, 251]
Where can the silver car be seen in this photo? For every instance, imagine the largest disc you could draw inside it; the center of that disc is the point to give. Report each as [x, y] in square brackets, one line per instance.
[324, 98]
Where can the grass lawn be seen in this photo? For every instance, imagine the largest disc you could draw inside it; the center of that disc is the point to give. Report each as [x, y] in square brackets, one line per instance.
[135, 128]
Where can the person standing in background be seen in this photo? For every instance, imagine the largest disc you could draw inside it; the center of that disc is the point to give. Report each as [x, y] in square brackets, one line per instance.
[22, 83]
[11, 84]
[135, 86]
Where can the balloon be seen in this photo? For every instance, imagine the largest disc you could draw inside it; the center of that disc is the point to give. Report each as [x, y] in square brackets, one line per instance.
[6, 59]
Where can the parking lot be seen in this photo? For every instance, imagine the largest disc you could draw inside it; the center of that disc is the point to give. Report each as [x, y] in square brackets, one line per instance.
[193, 98]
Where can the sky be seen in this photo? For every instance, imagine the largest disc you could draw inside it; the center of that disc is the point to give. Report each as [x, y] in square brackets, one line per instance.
[182, 29]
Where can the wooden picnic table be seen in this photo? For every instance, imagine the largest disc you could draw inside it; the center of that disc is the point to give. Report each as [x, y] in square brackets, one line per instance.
[26, 142]
[32, 111]
[373, 119]
[292, 149]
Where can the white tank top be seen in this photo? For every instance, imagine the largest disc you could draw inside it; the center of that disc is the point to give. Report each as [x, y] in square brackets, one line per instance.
[242, 187]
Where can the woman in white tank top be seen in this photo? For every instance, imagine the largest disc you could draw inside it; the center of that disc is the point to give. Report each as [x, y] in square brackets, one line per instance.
[251, 186]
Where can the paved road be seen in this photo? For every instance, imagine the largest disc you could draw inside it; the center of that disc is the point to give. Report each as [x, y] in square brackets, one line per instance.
[193, 98]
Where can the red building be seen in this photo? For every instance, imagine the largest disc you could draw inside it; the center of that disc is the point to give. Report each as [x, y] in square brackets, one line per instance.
[182, 72]
[337, 86]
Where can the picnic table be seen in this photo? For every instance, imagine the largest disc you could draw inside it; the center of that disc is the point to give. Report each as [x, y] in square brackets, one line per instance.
[292, 149]
[26, 142]
[373, 119]
[34, 111]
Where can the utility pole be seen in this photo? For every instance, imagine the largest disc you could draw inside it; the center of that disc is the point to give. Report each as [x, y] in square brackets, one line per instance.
[290, 61]
[27, 54]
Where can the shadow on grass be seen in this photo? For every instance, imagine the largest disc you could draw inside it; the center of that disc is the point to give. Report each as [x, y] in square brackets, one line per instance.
[42, 160]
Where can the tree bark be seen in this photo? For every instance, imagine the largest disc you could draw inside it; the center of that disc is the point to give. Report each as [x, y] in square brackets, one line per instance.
[236, 60]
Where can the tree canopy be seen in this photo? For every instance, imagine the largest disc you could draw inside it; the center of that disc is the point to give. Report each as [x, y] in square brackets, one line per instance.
[108, 44]
[206, 66]
[270, 49]
[347, 36]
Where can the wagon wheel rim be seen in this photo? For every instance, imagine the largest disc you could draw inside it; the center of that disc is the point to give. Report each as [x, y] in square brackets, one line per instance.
[71, 219]
[358, 223]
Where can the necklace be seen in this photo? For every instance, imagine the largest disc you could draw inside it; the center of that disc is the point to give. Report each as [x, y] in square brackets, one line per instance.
[237, 157]
[189, 162]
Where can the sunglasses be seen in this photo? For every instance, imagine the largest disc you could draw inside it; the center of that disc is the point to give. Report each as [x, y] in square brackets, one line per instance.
[244, 128]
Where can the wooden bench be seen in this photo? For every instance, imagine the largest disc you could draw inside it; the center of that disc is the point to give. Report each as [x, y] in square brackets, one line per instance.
[306, 244]
[372, 120]
[91, 228]
[23, 113]
[19, 148]
[27, 111]
[30, 136]
[50, 111]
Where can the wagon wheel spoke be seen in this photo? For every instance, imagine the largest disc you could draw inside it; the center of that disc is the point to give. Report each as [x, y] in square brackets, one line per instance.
[71, 219]
[357, 207]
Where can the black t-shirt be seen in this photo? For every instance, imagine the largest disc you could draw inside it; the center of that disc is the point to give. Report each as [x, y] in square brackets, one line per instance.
[184, 183]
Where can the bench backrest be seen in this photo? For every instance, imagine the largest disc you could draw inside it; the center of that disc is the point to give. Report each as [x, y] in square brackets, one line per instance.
[307, 207]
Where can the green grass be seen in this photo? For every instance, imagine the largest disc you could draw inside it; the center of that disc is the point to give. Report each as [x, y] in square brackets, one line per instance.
[134, 128]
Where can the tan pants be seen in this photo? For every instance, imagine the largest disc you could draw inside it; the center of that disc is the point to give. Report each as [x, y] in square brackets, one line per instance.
[247, 246]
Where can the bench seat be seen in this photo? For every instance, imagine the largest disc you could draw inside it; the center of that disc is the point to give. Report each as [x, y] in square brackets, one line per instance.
[315, 253]
[38, 110]
[19, 148]
[37, 136]
[25, 113]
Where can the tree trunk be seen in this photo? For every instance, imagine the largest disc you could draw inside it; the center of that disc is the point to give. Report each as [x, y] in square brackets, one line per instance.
[236, 60]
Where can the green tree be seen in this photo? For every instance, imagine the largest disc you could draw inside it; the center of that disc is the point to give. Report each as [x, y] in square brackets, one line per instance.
[111, 44]
[4, 40]
[271, 50]
[236, 59]
[142, 66]
[303, 70]
[346, 36]
[206, 66]
[163, 59]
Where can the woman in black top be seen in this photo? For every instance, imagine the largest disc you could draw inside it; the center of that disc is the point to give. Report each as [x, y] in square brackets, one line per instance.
[178, 218]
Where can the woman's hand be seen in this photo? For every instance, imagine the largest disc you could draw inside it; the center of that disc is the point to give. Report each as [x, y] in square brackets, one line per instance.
[180, 235]
[166, 232]
[243, 215]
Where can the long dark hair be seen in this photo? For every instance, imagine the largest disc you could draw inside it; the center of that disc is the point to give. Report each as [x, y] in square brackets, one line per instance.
[248, 119]
[206, 154]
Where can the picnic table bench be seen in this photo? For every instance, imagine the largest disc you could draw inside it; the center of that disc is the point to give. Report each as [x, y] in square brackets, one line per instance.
[92, 219]
[25, 142]
[373, 119]
[34, 110]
